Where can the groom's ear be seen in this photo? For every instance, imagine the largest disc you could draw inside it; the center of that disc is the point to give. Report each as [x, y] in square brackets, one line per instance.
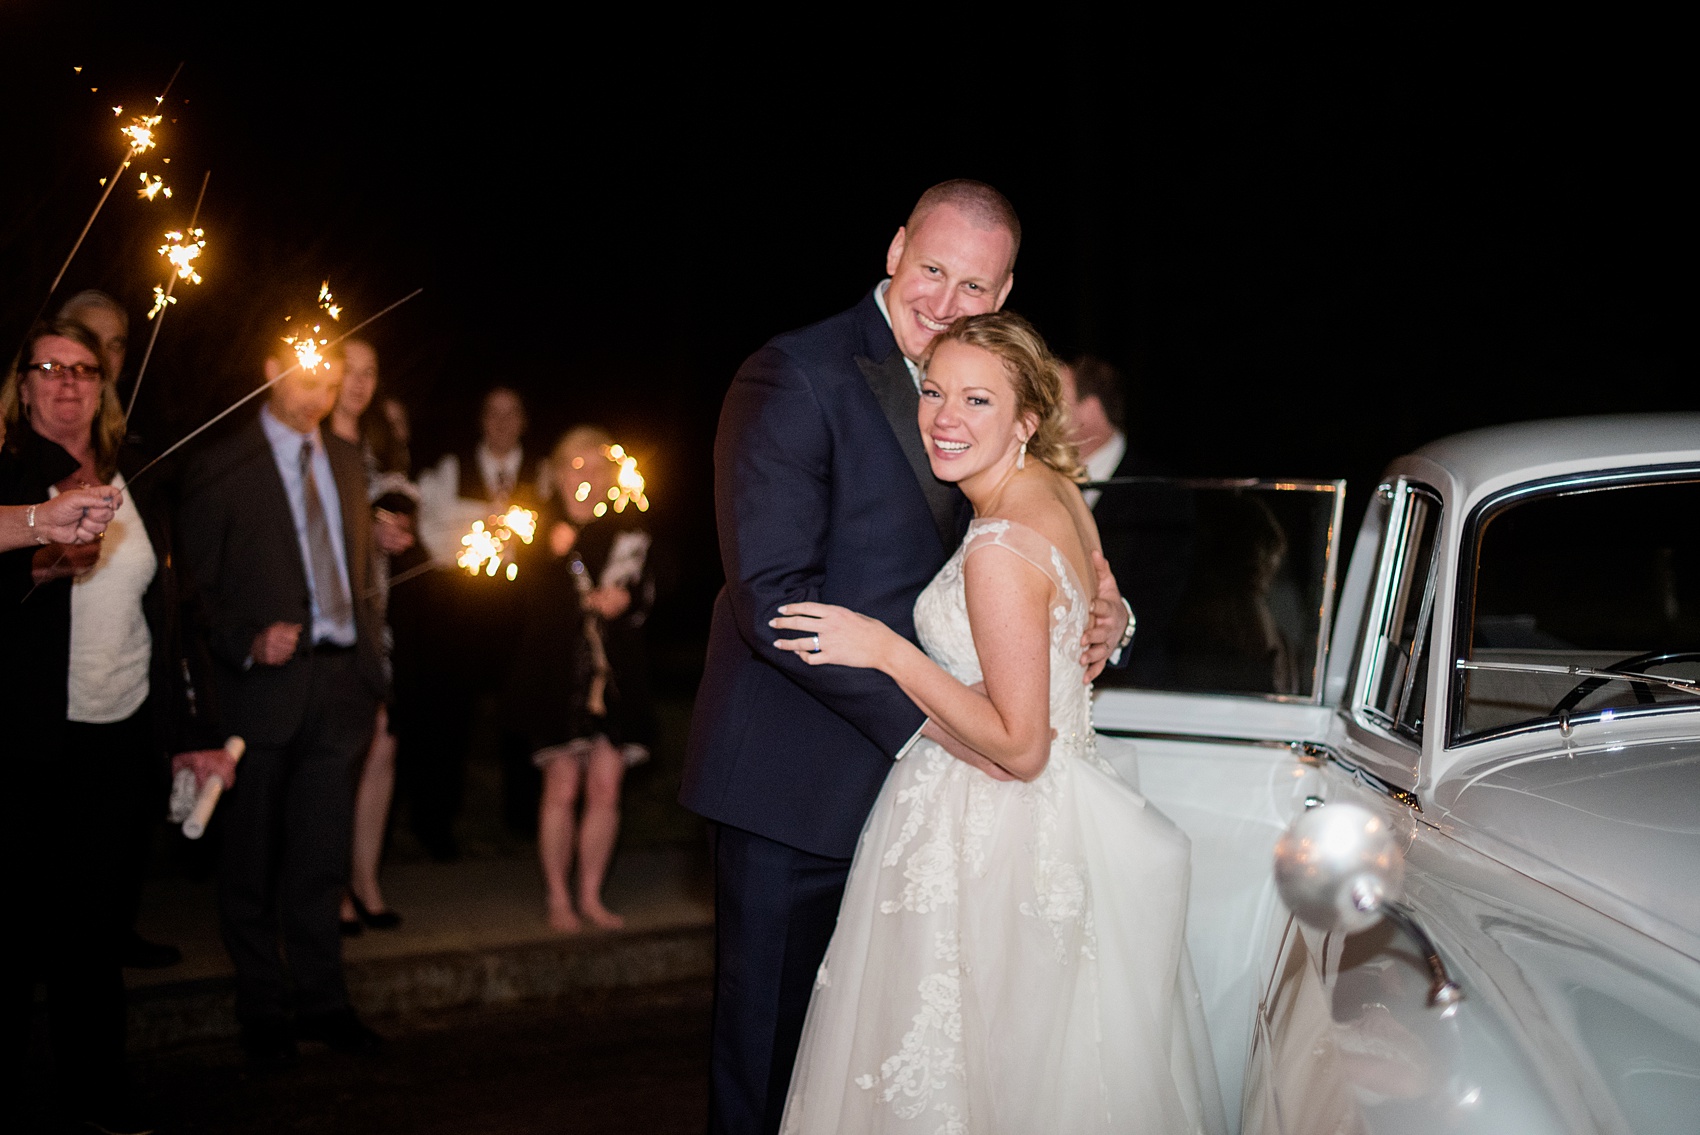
[895, 252]
[1003, 292]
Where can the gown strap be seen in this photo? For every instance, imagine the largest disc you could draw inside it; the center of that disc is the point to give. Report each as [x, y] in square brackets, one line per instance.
[1027, 544]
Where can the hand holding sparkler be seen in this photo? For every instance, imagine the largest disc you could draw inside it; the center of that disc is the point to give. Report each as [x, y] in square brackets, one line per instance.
[198, 780]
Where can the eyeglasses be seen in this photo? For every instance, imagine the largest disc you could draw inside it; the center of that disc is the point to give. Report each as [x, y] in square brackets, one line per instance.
[82, 372]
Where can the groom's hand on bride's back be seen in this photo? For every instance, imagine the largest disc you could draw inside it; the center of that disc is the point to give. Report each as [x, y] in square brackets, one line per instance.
[1109, 621]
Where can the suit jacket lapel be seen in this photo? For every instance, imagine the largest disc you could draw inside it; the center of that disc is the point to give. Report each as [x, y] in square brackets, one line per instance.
[895, 391]
[268, 480]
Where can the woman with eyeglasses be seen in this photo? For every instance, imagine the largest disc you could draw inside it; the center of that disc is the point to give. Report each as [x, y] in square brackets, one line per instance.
[94, 692]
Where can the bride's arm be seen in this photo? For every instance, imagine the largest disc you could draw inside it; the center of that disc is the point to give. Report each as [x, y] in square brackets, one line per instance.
[1009, 610]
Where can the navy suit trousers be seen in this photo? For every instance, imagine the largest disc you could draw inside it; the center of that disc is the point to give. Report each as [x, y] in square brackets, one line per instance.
[774, 912]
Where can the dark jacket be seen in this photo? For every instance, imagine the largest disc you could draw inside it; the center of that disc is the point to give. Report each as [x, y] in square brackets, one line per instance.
[243, 559]
[822, 492]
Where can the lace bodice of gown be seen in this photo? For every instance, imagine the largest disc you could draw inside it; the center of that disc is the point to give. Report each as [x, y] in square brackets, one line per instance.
[941, 619]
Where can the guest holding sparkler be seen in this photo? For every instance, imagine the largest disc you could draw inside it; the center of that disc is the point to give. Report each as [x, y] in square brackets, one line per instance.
[106, 321]
[580, 680]
[277, 536]
[94, 689]
[455, 617]
[395, 499]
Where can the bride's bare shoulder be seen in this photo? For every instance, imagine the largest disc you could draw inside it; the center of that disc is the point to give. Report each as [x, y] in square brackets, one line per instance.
[1052, 509]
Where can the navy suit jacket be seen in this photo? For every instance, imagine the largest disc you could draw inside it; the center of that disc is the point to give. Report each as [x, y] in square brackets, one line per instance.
[822, 492]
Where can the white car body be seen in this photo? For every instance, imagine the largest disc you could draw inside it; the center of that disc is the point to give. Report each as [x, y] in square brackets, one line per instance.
[1552, 858]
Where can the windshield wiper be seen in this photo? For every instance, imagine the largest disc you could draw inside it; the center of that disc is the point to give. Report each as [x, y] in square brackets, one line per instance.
[1681, 685]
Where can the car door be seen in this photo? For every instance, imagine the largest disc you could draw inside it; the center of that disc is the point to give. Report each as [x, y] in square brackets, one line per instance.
[1226, 689]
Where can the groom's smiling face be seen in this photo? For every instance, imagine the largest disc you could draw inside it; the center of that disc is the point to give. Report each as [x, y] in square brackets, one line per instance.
[942, 268]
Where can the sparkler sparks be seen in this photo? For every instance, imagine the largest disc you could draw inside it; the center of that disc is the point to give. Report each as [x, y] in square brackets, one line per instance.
[153, 188]
[139, 132]
[161, 300]
[181, 249]
[628, 483]
[307, 345]
[627, 488]
[484, 550]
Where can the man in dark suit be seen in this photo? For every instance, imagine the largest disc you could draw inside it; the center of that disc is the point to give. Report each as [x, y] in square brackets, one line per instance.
[823, 492]
[277, 539]
[1147, 529]
[449, 617]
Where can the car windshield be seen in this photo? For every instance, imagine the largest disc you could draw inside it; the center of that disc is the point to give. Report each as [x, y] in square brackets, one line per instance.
[1586, 602]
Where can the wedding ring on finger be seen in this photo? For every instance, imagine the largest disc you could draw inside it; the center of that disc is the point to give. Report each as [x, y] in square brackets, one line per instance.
[816, 649]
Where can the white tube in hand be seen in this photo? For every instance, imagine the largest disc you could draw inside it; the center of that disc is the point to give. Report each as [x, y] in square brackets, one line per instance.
[196, 825]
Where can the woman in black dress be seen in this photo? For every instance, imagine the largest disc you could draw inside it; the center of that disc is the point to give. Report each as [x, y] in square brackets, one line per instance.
[581, 686]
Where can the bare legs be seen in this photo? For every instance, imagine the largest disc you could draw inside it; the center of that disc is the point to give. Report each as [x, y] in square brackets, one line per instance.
[598, 778]
[371, 817]
[555, 838]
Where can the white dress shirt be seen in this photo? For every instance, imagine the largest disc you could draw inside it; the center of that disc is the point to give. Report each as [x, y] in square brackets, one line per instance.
[879, 298]
[499, 471]
[1101, 466]
[286, 449]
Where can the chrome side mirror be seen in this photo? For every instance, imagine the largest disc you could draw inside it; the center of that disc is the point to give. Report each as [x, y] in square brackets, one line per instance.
[1339, 868]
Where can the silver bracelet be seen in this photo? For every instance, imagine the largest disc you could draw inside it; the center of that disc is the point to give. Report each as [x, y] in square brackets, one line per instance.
[1127, 635]
[29, 519]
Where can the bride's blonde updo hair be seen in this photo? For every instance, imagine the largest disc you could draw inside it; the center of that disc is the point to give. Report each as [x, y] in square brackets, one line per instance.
[1032, 371]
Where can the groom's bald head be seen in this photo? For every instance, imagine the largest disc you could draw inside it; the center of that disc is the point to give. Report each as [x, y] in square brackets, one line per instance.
[979, 203]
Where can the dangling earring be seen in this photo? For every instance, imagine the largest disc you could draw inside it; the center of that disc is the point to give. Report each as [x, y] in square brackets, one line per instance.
[1021, 457]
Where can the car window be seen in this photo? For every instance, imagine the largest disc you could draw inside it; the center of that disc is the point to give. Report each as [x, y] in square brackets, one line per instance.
[1231, 581]
[1394, 678]
[1603, 578]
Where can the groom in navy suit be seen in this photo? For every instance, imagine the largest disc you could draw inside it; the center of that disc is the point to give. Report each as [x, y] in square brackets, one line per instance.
[823, 491]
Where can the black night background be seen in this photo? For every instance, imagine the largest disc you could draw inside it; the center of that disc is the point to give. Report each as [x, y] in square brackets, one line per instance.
[1314, 244]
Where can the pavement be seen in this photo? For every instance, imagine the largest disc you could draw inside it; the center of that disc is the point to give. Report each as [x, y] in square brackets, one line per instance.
[473, 934]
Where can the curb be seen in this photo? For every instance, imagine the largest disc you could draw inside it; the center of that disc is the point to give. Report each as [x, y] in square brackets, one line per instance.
[163, 1016]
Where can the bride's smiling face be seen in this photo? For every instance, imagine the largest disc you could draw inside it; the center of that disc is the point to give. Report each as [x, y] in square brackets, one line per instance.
[968, 413]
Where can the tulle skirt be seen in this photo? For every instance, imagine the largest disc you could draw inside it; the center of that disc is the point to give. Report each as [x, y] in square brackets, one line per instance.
[1009, 957]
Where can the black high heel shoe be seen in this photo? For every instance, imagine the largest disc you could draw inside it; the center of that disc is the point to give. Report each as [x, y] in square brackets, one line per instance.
[372, 920]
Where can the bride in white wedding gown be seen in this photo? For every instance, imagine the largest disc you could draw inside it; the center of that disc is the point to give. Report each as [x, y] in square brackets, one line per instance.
[1009, 954]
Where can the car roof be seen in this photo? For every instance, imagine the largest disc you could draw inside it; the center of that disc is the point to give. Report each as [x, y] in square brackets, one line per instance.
[1489, 458]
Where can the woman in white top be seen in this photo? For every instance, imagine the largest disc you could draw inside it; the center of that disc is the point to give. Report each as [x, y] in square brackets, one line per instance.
[94, 691]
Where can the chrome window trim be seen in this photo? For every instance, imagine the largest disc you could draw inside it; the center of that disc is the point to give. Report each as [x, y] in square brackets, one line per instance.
[1389, 570]
[1552, 724]
[1330, 569]
[1464, 605]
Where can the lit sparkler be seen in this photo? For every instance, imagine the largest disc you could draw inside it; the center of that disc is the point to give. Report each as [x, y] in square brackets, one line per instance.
[484, 550]
[627, 487]
[139, 133]
[307, 344]
[152, 188]
[181, 249]
[261, 389]
[161, 300]
[139, 138]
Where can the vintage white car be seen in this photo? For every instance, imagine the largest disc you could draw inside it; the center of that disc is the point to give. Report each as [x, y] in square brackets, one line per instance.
[1509, 694]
